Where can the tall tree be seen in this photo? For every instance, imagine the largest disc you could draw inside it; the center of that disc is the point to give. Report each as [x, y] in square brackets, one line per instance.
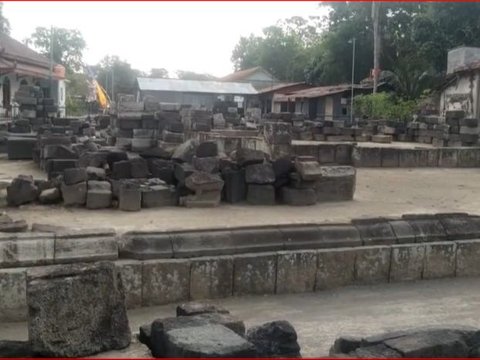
[158, 73]
[190, 75]
[4, 23]
[68, 45]
[124, 77]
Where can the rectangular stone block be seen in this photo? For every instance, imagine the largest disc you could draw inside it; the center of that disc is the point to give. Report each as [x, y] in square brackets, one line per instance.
[372, 264]
[468, 157]
[335, 268]
[146, 245]
[256, 239]
[297, 237]
[201, 243]
[467, 259]
[20, 148]
[390, 157]
[343, 154]
[439, 260]
[326, 154]
[407, 262]
[375, 231]
[211, 278]
[131, 273]
[337, 183]
[403, 231]
[426, 229]
[26, 249]
[254, 274]
[85, 245]
[448, 158]
[296, 271]
[165, 281]
[260, 194]
[367, 156]
[13, 298]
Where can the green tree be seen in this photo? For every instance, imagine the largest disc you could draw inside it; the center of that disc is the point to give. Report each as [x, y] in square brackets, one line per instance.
[68, 46]
[160, 73]
[4, 23]
[190, 75]
[124, 77]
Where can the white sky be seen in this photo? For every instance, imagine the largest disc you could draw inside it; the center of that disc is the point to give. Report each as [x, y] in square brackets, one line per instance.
[195, 36]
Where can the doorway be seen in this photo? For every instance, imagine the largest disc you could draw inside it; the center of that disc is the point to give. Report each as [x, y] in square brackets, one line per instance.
[6, 94]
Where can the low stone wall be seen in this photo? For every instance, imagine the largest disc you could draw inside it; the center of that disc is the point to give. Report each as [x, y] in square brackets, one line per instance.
[179, 266]
[164, 281]
[389, 157]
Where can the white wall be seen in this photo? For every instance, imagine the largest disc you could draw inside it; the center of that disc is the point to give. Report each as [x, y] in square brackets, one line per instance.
[462, 94]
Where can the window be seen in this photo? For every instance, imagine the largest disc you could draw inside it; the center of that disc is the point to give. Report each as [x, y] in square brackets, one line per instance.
[283, 106]
[23, 82]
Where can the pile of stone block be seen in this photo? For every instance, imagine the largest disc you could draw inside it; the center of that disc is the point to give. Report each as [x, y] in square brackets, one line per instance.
[197, 119]
[33, 106]
[205, 330]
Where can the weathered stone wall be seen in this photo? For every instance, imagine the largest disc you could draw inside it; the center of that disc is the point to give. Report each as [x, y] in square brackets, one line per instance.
[172, 267]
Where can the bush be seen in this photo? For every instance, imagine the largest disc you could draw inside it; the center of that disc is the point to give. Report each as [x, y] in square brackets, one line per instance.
[384, 106]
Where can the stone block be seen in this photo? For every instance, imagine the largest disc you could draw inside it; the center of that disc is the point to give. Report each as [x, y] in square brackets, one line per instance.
[85, 245]
[343, 154]
[20, 148]
[390, 157]
[276, 339]
[327, 154]
[259, 174]
[468, 253]
[298, 197]
[50, 196]
[375, 231]
[468, 157]
[21, 190]
[211, 278]
[74, 194]
[403, 231]
[139, 168]
[320, 236]
[165, 281]
[74, 176]
[426, 228]
[26, 249]
[235, 189]
[459, 226]
[206, 164]
[207, 149]
[372, 264]
[131, 273]
[277, 132]
[260, 194]
[448, 158]
[335, 268]
[296, 271]
[336, 183]
[256, 239]
[229, 321]
[157, 196]
[13, 302]
[367, 156]
[78, 300]
[309, 170]
[146, 245]
[201, 181]
[407, 262]
[439, 260]
[122, 169]
[201, 243]
[254, 274]
[202, 199]
[99, 194]
[205, 341]
[130, 197]
[245, 156]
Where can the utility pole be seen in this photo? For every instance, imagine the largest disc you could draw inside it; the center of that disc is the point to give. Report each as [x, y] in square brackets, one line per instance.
[353, 81]
[376, 45]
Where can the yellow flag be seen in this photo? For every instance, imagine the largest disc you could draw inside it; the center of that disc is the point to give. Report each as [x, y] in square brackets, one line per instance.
[102, 97]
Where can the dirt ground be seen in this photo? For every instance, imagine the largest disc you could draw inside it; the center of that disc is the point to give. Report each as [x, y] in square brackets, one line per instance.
[321, 317]
[379, 192]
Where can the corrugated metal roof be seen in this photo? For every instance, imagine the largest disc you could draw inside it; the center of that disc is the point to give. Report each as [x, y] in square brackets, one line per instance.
[15, 50]
[315, 92]
[196, 86]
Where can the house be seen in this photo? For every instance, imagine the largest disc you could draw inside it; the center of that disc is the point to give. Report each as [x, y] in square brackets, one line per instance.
[461, 88]
[266, 95]
[204, 93]
[257, 76]
[20, 65]
[322, 102]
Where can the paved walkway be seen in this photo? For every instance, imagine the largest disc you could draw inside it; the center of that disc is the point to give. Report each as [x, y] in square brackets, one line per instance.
[322, 316]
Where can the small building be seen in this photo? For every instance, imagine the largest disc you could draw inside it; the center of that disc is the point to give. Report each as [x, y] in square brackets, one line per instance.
[322, 102]
[266, 95]
[257, 76]
[197, 93]
[20, 65]
[461, 88]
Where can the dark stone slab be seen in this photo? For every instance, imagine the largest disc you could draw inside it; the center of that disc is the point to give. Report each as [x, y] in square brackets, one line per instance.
[235, 189]
[74, 176]
[274, 339]
[259, 174]
[207, 149]
[261, 194]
